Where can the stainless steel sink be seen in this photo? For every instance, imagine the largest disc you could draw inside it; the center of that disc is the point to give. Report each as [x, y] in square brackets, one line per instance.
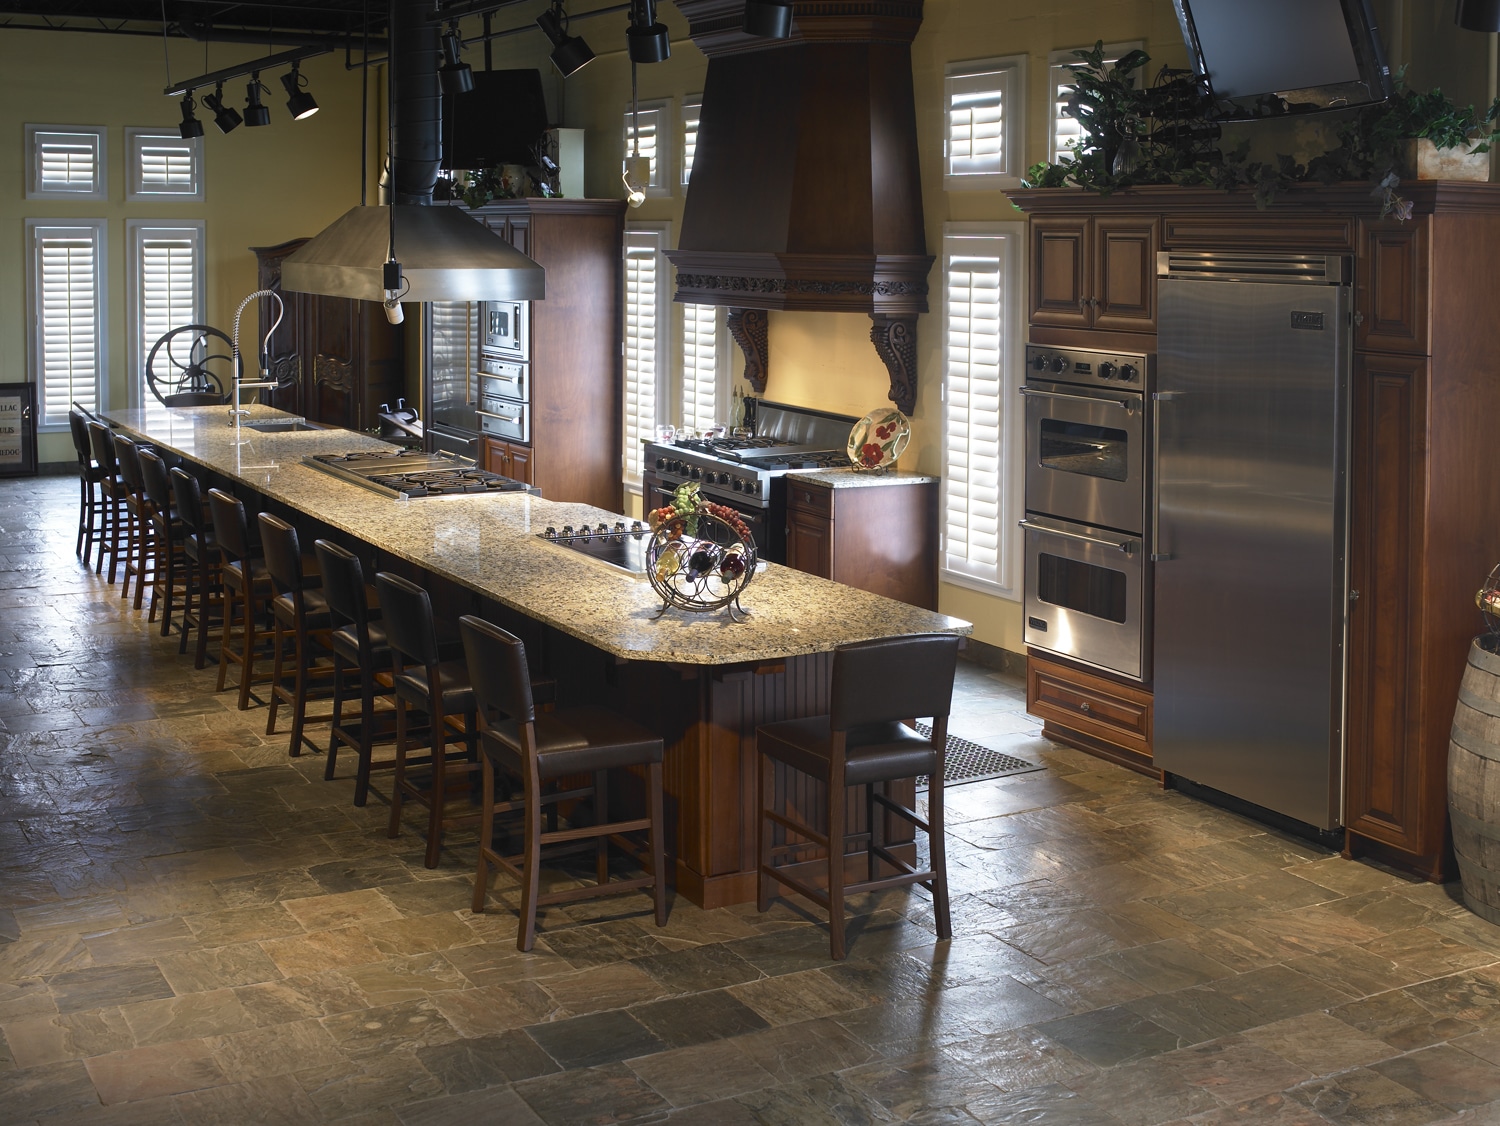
[279, 425]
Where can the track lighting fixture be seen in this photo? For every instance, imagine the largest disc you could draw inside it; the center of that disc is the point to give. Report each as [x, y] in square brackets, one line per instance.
[227, 118]
[770, 19]
[190, 126]
[647, 38]
[255, 113]
[1479, 15]
[570, 53]
[456, 76]
[299, 103]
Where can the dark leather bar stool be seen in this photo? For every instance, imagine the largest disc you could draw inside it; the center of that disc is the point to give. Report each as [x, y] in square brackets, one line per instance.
[247, 590]
[90, 473]
[432, 685]
[359, 643]
[140, 552]
[204, 597]
[167, 534]
[861, 742]
[300, 607]
[112, 497]
[543, 748]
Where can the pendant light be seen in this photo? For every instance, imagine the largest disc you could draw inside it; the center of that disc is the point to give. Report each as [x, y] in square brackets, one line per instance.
[648, 39]
[637, 174]
[299, 103]
[1479, 15]
[227, 118]
[190, 126]
[255, 114]
[456, 76]
[770, 19]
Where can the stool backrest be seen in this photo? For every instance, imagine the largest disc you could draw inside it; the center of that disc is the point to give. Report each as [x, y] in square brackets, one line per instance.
[893, 678]
[497, 670]
[127, 457]
[189, 496]
[230, 528]
[344, 586]
[406, 611]
[102, 443]
[79, 426]
[154, 481]
[278, 540]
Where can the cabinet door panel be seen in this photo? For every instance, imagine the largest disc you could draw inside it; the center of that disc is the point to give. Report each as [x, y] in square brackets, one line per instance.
[520, 464]
[1391, 288]
[496, 457]
[1060, 262]
[1387, 485]
[809, 543]
[1124, 297]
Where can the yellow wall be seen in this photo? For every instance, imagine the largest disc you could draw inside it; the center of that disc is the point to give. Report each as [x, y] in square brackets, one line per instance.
[262, 186]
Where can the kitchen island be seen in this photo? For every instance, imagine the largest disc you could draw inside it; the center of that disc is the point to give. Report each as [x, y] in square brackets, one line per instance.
[700, 680]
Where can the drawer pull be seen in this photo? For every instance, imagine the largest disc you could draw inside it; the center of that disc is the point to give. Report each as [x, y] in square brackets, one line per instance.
[1083, 707]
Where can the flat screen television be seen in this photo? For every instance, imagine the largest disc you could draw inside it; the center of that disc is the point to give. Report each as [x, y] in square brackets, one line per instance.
[1285, 56]
[500, 121]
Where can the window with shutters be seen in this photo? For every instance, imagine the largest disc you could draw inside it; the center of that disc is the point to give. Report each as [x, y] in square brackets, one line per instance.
[65, 162]
[985, 104]
[692, 108]
[645, 320]
[654, 144]
[65, 299]
[703, 391]
[166, 292]
[161, 165]
[1065, 131]
[982, 460]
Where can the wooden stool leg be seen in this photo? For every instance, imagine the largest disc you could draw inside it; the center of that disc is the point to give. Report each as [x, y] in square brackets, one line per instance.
[532, 863]
[658, 851]
[486, 835]
[439, 794]
[230, 598]
[249, 641]
[278, 647]
[937, 850]
[299, 692]
[336, 715]
[366, 736]
[393, 828]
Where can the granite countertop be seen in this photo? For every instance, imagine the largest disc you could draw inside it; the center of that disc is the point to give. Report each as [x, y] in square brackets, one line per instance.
[857, 478]
[489, 544]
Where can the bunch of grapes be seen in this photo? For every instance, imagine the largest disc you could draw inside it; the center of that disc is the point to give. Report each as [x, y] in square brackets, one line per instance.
[730, 517]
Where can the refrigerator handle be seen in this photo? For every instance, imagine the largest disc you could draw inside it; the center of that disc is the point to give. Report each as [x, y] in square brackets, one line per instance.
[1157, 397]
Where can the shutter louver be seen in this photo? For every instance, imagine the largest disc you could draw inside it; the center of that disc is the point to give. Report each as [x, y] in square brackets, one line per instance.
[690, 114]
[163, 164]
[68, 302]
[65, 163]
[168, 273]
[700, 365]
[977, 118]
[642, 355]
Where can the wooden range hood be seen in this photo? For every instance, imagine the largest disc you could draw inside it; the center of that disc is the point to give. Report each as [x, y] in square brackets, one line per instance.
[806, 193]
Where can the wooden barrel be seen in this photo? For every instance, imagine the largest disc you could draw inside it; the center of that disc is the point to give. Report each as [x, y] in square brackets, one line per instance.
[1474, 779]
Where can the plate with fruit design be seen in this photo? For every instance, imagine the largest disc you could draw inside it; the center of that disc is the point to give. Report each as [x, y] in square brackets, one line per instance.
[878, 439]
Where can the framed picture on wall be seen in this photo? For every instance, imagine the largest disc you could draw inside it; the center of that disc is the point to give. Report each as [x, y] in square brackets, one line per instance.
[17, 430]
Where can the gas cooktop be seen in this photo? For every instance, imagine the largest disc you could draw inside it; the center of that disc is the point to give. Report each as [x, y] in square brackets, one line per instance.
[410, 474]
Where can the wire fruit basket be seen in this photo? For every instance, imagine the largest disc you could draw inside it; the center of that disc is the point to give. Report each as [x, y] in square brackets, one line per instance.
[1488, 601]
[701, 561]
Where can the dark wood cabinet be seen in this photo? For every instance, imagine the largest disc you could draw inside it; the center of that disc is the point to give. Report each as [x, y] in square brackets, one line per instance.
[338, 359]
[1083, 708]
[880, 538]
[509, 459]
[1096, 273]
[1391, 287]
[575, 366]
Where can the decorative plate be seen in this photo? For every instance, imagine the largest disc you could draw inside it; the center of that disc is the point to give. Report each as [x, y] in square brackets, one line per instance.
[878, 439]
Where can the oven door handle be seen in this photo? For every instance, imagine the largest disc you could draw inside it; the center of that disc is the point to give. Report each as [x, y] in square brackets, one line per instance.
[501, 417]
[1127, 546]
[1127, 406]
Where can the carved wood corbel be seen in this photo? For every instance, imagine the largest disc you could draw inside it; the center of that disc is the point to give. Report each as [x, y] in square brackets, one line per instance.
[895, 340]
[750, 329]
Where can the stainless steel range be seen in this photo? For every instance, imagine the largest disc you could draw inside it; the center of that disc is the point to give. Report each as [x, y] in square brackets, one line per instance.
[746, 473]
[414, 473]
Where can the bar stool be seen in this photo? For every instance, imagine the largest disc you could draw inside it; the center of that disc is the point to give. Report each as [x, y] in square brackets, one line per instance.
[204, 565]
[89, 476]
[358, 641]
[139, 549]
[437, 687]
[543, 748]
[168, 533]
[299, 607]
[247, 590]
[862, 742]
[112, 496]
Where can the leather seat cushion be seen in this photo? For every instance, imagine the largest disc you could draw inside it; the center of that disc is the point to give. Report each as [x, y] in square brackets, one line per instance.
[314, 608]
[191, 544]
[878, 752]
[234, 575]
[453, 683]
[345, 642]
[578, 741]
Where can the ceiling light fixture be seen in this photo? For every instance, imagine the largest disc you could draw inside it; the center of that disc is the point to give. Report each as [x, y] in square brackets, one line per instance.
[299, 103]
[190, 126]
[770, 19]
[648, 39]
[1478, 15]
[227, 118]
[456, 75]
[637, 173]
[255, 113]
[570, 53]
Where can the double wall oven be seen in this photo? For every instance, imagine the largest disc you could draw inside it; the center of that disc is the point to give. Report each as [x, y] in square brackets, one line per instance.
[1088, 572]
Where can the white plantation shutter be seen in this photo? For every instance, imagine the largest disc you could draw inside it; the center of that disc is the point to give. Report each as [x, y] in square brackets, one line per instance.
[653, 118]
[700, 365]
[166, 279]
[645, 294]
[692, 109]
[65, 162]
[983, 130]
[162, 164]
[979, 379]
[1066, 130]
[67, 311]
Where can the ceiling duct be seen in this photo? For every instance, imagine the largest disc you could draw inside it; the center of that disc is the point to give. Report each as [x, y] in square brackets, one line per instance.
[445, 255]
[806, 191]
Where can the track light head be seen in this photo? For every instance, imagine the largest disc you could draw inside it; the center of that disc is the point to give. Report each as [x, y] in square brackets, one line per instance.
[227, 118]
[255, 113]
[456, 75]
[570, 53]
[190, 126]
[637, 178]
[648, 39]
[299, 103]
[770, 19]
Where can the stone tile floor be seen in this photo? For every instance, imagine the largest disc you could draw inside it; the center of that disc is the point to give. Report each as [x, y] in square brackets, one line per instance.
[196, 929]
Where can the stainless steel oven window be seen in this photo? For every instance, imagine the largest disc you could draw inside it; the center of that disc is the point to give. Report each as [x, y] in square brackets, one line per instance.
[1077, 447]
[1099, 592]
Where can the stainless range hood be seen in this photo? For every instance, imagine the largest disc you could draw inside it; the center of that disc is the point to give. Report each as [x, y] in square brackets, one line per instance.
[444, 254]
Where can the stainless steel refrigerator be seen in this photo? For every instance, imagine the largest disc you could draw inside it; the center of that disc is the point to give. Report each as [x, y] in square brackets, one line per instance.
[1250, 541]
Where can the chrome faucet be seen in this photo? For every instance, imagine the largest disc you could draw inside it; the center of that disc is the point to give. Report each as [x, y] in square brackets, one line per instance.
[238, 411]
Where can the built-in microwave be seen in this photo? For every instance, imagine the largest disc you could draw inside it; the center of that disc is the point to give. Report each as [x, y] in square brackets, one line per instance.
[505, 328]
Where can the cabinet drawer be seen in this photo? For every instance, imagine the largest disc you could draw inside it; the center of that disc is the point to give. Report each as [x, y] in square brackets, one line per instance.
[1114, 713]
[809, 498]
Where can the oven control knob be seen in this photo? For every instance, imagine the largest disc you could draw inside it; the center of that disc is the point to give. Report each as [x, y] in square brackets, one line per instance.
[738, 485]
[752, 487]
[723, 478]
[1059, 364]
[661, 463]
[1108, 370]
[551, 532]
[1039, 361]
[1128, 373]
[696, 474]
[637, 527]
[567, 531]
